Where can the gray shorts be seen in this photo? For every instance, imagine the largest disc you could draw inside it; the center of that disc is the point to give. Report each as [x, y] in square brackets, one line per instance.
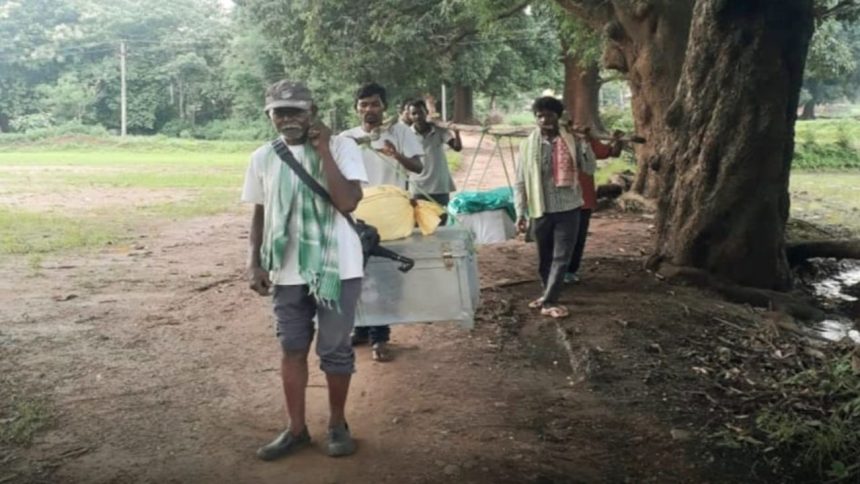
[294, 312]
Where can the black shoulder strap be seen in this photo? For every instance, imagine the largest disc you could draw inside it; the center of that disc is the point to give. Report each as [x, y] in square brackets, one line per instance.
[287, 157]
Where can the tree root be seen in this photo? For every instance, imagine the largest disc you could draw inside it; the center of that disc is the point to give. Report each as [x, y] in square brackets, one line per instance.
[798, 252]
[633, 202]
[785, 302]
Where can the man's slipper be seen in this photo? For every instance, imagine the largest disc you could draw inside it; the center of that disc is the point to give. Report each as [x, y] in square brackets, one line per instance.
[555, 312]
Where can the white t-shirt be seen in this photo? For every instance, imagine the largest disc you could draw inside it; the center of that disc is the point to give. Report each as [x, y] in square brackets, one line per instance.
[381, 169]
[263, 173]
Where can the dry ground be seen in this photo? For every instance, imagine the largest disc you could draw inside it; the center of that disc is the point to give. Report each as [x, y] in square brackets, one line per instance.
[158, 365]
[153, 362]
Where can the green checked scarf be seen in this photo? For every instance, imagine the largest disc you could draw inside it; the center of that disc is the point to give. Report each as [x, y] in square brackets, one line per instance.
[318, 265]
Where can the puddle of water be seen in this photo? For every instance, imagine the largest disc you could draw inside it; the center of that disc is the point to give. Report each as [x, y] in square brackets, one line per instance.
[837, 330]
[831, 288]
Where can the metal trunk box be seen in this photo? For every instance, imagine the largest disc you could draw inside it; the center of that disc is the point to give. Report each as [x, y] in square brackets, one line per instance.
[441, 287]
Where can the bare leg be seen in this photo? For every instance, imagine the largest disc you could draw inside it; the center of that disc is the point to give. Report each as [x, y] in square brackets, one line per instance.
[294, 375]
[338, 388]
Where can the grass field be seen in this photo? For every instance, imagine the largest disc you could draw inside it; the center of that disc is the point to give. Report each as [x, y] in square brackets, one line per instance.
[85, 192]
[79, 196]
[827, 198]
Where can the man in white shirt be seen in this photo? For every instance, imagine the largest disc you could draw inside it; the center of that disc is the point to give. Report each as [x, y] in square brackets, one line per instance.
[388, 153]
[304, 251]
[403, 113]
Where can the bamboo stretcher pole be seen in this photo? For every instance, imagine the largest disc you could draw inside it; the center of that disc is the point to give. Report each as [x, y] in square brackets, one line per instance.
[504, 162]
[474, 158]
[486, 167]
[524, 131]
[513, 157]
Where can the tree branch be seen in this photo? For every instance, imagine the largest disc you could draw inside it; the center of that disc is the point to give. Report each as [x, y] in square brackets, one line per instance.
[596, 13]
[841, 8]
[616, 77]
[474, 30]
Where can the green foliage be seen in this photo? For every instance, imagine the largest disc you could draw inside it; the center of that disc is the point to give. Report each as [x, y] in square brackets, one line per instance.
[59, 59]
[613, 166]
[230, 129]
[24, 232]
[19, 424]
[818, 422]
[833, 62]
[826, 145]
[41, 131]
[813, 156]
[483, 44]
[576, 38]
[616, 118]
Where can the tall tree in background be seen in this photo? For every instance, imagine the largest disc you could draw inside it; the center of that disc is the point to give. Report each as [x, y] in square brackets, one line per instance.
[580, 54]
[251, 63]
[832, 64]
[59, 60]
[173, 47]
[479, 45]
[35, 36]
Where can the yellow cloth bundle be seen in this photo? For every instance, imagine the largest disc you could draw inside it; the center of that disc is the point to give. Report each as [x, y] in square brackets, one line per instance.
[391, 210]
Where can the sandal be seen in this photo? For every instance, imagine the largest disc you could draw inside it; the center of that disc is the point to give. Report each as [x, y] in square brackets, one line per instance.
[555, 312]
[380, 353]
[536, 303]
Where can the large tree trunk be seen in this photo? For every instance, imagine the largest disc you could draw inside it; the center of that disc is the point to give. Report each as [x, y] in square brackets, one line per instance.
[647, 40]
[726, 156]
[463, 105]
[808, 110]
[582, 92]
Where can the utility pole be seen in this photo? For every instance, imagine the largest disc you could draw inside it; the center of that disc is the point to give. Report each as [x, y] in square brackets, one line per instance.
[444, 103]
[123, 106]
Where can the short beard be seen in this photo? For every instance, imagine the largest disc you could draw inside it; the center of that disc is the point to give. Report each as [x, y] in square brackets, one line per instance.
[294, 136]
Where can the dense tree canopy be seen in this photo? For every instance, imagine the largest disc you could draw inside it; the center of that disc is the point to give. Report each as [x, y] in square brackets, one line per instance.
[833, 65]
[191, 62]
[61, 61]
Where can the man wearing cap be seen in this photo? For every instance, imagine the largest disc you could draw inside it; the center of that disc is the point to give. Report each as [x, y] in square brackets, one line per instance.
[304, 252]
[388, 153]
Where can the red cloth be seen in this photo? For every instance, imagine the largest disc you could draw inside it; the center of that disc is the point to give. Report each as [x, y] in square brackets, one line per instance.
[601, 151]
[589, 193]
[586, 181]
[564, 169]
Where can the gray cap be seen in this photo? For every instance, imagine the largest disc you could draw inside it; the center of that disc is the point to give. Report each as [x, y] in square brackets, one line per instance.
[288, 94]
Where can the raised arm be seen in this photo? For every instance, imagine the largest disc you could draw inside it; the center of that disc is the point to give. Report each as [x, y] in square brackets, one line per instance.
[345, 194]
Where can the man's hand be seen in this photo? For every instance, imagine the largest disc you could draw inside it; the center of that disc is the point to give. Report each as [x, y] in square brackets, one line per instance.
[522, 225]
[258, 281]
[585, 131]
[388, 149]
[319, 135]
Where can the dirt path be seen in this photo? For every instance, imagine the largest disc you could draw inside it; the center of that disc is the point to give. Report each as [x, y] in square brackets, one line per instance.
[154, 363]
[489, 167]
[159, 366]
